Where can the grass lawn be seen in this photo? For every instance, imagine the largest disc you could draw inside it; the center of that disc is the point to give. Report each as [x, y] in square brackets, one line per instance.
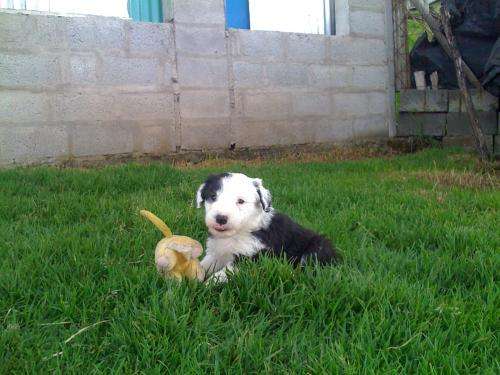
[417, 291]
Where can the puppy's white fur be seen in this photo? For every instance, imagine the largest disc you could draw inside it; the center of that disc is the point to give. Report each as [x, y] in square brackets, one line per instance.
[246, 205]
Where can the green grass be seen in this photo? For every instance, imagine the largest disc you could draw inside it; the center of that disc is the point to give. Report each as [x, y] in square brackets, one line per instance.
[417, 291]
[416, 24]
[415, 30]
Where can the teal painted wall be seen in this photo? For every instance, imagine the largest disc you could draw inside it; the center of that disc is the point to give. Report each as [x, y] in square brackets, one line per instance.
[145, 10]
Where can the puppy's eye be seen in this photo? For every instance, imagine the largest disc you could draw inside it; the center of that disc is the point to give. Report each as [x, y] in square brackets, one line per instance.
[240, 201]
[213, 197]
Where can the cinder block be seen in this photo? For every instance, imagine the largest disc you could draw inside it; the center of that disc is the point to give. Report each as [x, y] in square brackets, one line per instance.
[85, 107]
[145, 106]
[31, 144]
[262, 133]
[251, 133]
[377, 103]
[297, 74]
[367, 23]
[421, 124]
[202, 72]
[436, 100]
[23, 107]
[169, 72]
[454, 101]
[320, 76]
[267, 105]
[342, 76]
[306, 48]
[301, 131]
[465, 141]
[104, 138]
[206, 134]
[268, 45]
[281, 74]
[312, 104]
[278, 75]
[369, 4]
[204, 104]
[133, 71]
[423, 101]
[207, 41]
[89, 33]
[195, 11]
[50, 33]
[468, 142]
[237, 106]
[370, 77]
[371, 127]
[151, 39]
[31, 71]
[482, 101]
[157, 137]
[83, 69]
[358, 51]
[30, 32]
[330, 76]
[359, 104]
[17, 31]
[351, 104]
[342, 18]
[334, 129]
[457, 123]
[411, 101]
[435, 127]
[248, 74]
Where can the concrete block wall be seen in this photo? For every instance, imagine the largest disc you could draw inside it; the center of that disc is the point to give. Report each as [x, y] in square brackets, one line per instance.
[85, 87]
[262, 88]
[296, 88]
[442, 114]
[202, 61]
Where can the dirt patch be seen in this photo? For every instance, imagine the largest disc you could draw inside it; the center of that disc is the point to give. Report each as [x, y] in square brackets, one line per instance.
[321, 154]
[276, 154]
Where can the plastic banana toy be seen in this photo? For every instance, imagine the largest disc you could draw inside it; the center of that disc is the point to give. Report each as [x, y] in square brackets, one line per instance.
[176, 256]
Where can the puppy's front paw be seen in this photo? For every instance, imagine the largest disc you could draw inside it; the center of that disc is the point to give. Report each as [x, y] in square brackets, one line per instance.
[217, 278]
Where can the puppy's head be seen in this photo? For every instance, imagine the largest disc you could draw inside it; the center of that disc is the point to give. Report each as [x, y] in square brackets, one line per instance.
[233, 203]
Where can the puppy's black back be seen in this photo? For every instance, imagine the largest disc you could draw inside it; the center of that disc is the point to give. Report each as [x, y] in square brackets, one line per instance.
[298, 243]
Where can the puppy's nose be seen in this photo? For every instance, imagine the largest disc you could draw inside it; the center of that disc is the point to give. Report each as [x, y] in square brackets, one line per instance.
[221, 219]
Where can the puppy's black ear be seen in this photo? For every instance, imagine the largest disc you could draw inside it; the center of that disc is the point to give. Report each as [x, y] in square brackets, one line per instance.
[263, 193]
[199, 198]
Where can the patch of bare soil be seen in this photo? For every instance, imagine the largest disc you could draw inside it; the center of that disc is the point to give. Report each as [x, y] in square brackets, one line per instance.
[277, 156]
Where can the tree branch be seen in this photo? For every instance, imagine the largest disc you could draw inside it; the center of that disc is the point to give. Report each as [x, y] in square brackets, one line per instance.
[442, 40]
[459, 65]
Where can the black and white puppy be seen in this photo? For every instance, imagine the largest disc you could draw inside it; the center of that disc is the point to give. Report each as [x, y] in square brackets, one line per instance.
[242, 223]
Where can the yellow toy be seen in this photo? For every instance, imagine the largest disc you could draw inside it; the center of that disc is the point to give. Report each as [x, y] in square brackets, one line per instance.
[176, 256]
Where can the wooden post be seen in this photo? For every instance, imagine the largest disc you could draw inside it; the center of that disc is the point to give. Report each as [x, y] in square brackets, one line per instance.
[457, 60]
[436, 29]
[402, 69]
[435, 80]
[420, 80]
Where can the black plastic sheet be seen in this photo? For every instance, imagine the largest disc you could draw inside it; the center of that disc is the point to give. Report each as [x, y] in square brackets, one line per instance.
[476, 26]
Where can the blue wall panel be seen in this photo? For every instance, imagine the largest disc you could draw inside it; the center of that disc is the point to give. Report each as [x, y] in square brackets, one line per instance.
[237, 14]
[145, 10]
